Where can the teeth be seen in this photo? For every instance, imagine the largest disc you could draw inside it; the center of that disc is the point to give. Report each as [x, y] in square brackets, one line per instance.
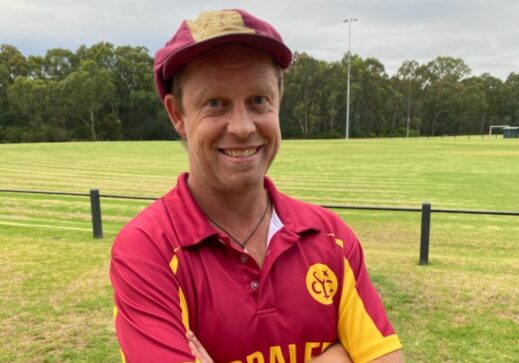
[239, 153]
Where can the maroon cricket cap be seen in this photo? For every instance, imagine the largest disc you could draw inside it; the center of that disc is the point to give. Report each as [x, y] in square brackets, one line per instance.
[210, 29]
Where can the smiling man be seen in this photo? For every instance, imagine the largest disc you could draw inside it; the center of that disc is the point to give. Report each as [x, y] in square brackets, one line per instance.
[224, 268]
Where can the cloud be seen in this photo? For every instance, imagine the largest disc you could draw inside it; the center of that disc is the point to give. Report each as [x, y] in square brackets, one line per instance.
[483, 33]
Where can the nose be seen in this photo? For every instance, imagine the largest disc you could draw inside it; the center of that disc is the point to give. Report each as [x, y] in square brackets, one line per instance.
[241, 122]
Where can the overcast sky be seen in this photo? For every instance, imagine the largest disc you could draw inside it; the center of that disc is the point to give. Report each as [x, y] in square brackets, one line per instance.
[484, 33]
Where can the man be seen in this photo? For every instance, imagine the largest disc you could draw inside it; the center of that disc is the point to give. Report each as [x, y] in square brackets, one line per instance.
[225, 268]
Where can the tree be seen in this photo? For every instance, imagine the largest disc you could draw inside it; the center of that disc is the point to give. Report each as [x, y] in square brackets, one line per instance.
[372, 93]
[28, 97]
[474, 106]
[495, 97]
[101, 53]
[13, 61]
[4, 85]
[511, 90]
[133, 68]
[442, 67]
[37, 68]
[442, 93]
[36, 106]
[137, 103]
[86, 91]
[408, 85]
[334, 98]
[303, 90]
[60, 63]
[57, 64]
[440, 105]
[12, 65]
[107, 92]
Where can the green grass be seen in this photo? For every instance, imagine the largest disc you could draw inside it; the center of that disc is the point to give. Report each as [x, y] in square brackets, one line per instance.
[56, 301]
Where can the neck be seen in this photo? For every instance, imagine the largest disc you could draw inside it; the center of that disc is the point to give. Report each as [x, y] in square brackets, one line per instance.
[230, 207]
[242, 215]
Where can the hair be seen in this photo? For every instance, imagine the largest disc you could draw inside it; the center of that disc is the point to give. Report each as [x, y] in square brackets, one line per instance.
[176, 86]
[176, 89]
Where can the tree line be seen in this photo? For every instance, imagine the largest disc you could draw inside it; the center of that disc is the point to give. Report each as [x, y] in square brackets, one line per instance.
[104, 92]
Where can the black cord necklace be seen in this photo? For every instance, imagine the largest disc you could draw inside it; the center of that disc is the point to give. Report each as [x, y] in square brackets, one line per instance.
[244, 243]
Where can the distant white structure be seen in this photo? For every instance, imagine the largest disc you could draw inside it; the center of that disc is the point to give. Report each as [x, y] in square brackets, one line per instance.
[496, 126]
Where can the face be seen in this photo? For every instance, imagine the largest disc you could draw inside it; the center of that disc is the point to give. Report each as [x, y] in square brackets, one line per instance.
[229, 118]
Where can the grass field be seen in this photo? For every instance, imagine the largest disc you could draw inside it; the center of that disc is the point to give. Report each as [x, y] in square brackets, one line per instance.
[56, 299]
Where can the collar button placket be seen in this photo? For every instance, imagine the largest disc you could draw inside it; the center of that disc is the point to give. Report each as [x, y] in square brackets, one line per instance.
[254, 284]
[244, 258]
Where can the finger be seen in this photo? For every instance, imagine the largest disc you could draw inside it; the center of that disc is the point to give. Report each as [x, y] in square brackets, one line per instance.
[192, 340]
[198, 349]
[193, 350]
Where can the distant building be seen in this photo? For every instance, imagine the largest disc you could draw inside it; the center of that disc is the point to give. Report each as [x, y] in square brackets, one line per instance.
[511, 132]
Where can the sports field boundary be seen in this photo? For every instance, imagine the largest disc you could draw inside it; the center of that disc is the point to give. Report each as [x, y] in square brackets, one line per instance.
[425, 210]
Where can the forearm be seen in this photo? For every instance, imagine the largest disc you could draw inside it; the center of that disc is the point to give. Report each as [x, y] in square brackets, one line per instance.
[334, 354]
[394, 357]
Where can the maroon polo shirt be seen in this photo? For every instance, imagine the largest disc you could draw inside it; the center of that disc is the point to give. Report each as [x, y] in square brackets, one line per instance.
[172, 271]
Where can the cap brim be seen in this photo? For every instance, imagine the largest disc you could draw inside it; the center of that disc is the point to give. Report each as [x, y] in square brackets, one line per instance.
[178, 59]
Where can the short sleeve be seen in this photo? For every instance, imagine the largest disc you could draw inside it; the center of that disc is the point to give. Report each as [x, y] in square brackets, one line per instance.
[363, 327]
[150, 309]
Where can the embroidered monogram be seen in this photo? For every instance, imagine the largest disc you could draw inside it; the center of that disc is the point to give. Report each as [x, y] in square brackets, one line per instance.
[212, 24]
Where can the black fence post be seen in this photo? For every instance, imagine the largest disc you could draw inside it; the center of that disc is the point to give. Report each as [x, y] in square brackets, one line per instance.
[426, 229]
[95, 206]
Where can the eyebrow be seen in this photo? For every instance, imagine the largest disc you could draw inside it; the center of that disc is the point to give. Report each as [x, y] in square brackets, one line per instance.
[206, 93]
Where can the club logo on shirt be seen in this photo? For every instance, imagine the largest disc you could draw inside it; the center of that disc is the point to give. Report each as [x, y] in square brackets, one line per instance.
[321, 283]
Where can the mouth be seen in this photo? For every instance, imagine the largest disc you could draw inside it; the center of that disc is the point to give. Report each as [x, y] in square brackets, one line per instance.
[240, 153]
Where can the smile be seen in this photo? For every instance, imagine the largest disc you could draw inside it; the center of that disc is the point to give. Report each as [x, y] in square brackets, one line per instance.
[239, 153]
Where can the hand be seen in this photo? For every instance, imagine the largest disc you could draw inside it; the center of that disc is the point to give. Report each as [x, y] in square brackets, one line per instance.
[197, 349]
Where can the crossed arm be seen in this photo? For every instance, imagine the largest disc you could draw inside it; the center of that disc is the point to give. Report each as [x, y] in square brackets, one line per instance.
[334, 354]
[139, 278]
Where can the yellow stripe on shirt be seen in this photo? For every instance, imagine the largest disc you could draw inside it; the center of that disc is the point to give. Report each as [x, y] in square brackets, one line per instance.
[183, 308]
[116, 312]
[357, 331]
[173, 264]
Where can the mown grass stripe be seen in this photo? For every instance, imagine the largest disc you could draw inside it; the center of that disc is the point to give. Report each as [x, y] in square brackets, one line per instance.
[56, 302]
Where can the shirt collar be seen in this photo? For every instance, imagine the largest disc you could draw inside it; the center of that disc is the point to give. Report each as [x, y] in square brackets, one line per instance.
[291, 212]
[190, 223]
[192, 226]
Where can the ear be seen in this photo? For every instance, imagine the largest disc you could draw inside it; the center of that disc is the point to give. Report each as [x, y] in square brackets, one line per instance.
[176, 116]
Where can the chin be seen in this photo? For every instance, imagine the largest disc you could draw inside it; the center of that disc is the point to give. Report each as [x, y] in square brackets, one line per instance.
[243, 183]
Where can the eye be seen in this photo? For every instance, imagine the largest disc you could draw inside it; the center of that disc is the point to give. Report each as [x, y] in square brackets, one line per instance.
[215, 102]
[259, 100]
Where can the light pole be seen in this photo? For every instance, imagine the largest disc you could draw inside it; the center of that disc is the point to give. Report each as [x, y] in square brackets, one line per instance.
[408, 109]
[349, 21]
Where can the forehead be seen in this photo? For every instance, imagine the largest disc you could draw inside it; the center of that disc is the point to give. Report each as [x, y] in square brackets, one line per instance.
[229, 59]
